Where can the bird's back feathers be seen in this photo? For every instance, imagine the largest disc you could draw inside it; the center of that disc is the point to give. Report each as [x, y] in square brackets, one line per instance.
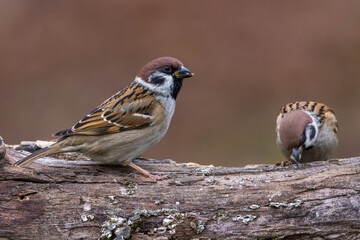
[131, 108]
[318, 109]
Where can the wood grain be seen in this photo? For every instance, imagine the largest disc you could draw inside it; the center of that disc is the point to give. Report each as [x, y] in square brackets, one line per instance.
[69, 197]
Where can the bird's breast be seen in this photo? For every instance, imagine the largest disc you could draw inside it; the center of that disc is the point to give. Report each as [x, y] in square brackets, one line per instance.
[125, 146]
[168, 105]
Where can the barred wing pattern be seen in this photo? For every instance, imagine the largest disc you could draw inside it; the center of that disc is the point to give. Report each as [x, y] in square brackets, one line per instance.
[131, 108]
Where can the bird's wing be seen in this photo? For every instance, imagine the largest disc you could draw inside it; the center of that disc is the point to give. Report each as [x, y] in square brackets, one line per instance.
[131, 108]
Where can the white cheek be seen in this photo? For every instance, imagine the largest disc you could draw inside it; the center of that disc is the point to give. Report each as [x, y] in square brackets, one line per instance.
[312, 141]
[164, 89]
[168, 83]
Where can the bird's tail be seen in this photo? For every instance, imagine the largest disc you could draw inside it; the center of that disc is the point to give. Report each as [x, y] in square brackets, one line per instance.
[38, 154]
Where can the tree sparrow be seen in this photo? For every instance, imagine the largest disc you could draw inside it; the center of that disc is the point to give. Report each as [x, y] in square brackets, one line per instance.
[307, 131]
[129, 122]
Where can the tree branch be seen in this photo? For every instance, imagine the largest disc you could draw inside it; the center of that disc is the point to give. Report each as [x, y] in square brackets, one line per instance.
[69, 197]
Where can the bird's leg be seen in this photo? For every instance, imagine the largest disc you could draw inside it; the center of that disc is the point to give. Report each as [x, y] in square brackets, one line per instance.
[146, 173]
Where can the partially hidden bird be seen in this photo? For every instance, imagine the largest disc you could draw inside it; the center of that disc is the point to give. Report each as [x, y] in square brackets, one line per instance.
[129, 122]
[307, 131]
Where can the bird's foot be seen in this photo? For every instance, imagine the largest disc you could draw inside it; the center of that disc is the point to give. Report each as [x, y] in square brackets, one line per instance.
[146, 173]
[157, 177]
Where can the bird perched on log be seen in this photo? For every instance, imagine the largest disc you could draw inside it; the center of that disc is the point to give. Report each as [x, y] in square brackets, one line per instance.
[307, 131]
[129, 122]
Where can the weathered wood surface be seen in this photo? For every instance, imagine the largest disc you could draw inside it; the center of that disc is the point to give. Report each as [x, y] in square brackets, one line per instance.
[60, 198]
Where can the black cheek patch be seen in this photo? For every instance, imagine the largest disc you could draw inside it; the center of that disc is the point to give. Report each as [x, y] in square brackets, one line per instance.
[158, 80]
[312, 131]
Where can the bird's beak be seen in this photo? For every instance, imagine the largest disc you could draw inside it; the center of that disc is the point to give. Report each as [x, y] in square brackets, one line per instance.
[296, 154]
[183, 72]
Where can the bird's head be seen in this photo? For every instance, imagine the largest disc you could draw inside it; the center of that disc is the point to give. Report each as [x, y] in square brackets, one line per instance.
[164, 76]
[298, 132]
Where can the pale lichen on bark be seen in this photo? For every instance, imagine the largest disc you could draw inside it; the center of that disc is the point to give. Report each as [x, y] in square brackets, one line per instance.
[69, 197]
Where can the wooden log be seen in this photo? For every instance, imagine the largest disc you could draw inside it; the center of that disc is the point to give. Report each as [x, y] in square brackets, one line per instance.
[69, 197]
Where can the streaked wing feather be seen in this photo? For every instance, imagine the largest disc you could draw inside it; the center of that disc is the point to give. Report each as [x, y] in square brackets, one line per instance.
[131, 108]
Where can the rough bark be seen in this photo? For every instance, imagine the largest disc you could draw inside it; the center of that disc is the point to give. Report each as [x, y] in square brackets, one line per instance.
[69, 197]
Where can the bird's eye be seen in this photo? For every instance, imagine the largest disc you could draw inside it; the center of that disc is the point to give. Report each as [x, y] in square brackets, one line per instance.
[167, 69]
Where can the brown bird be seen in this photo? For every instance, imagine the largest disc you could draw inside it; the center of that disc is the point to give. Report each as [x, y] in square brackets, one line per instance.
[307, 131]
[129, 122]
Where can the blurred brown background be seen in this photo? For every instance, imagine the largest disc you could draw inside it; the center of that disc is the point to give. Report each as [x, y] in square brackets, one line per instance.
[60, 59]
